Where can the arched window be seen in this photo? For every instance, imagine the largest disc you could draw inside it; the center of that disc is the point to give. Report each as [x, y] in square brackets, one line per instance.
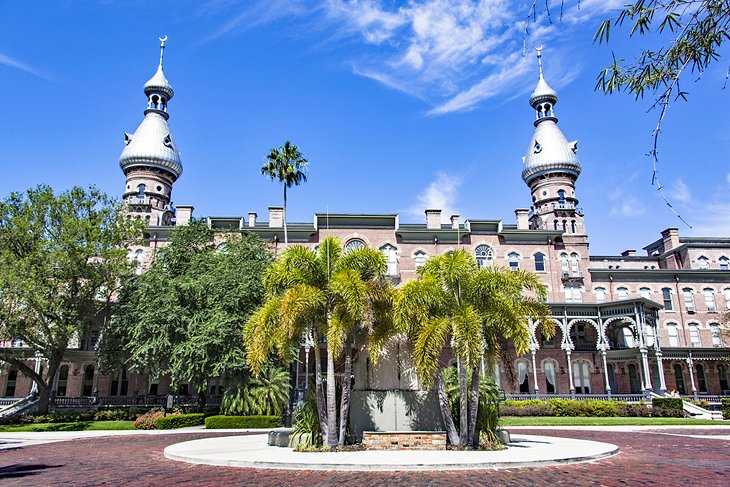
[62, 381]
[565, 225]
[88, 384]
[634, 379]
[572, 226]
[420, 259]
[703, 262]
[667, 297]
[673, 335]
[484, 256]
[628, 337]
[523, 377]
[514, 260]
[701, 378]
[540, 262]
[556, 225]
[11, 381]
[600, 295]
[716, 336]
[582, 378]
[722, 373]
[645, 292]
[391, 258]
[710, 299]
[689, 300]
[551, 383]
[141, 188]
[575, 264]
[694, 334]
[623, 293]
[354, 244]
[724, 263]
[564, 265]
[120, 384]
[679, 378]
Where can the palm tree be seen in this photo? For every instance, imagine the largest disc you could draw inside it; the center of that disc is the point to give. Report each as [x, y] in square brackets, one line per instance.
[456, 304]
[285, 164]
[336, 297]
[271, 390]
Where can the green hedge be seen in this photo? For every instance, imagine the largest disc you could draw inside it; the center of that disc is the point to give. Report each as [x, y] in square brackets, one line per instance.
[179, 421]
[252, 422]
[667, 403]
[583, 408]
[725, 408]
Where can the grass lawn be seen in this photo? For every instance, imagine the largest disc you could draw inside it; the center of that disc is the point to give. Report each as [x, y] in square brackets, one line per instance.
[75, 426]
[619, 421]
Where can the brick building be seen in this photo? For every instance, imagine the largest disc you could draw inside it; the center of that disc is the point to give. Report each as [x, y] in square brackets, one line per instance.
[626, 324]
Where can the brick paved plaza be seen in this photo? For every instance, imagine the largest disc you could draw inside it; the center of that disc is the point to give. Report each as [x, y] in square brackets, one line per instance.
[658, 457]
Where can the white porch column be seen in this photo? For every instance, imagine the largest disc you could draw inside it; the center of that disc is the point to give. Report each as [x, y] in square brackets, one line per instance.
[605, 371]
[660, 367]
[645, 364]
[570, 373]
[690, 365]
[534, 375]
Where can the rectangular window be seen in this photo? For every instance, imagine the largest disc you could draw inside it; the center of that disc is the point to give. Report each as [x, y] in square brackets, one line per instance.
[539, 262]
[710, 300]
[667, 295]
[716, 340]
[673, 335]
[600, 295]
[623, 293]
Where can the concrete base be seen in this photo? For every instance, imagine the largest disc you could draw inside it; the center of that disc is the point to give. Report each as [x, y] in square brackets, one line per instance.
[253, 452]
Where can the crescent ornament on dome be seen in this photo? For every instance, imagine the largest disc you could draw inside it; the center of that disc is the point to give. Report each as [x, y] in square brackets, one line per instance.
[162, 47]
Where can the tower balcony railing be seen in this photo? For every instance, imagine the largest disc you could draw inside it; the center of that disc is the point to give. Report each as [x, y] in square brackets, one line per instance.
[565, 205]
[567, 276]
[140, 201]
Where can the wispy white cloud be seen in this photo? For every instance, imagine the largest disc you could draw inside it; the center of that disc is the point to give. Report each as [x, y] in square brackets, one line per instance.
[441, 194]
[453, 54]
[680, 191]
[6, 60]
[625, 205]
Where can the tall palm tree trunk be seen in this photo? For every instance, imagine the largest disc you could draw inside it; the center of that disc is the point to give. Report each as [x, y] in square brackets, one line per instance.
[319, 389]
[463, 405]
[472, 440]
[331, 401]
[286, 237]
[449, 425]
[345, 401]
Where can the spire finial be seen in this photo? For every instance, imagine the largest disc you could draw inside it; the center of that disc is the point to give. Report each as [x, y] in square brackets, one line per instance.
[162, 48]
[539, 57]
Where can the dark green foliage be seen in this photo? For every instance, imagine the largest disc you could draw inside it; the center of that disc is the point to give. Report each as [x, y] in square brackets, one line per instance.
[306, 430]
[247, 422]
[725, 407]
[583, 408]
[590, 407]
[183, 317]
[114, 415]
[667, 413]
[668, 403]
[180, 421]
[61, 259]
[634, 410]
[543, 409]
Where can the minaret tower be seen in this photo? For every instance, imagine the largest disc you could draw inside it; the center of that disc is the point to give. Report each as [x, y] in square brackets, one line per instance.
[150, 160]
[551, 166]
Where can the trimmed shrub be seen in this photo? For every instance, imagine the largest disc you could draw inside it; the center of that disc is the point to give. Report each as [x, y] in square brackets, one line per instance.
[666, 413]
[522, 404]
[667, 403]
[179, 421]
[147, 420]
[543, 409]
[634, 410]
[588, 407]
[725, 407]
[112, 415]
[252, 422]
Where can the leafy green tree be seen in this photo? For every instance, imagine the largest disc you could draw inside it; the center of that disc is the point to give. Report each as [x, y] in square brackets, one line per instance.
[183, 317]
[455, 305]
[286, 165]
[336, 297]
[61, 259]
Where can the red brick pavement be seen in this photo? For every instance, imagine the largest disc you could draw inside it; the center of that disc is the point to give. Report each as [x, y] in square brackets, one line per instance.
[646, 458]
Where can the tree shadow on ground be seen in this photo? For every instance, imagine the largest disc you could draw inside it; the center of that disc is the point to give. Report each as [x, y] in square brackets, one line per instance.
[23, 470]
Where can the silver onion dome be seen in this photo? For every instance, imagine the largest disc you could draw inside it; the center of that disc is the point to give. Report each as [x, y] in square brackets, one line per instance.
[151, 145]
[549, 151]
[159, 84]
[543, 93]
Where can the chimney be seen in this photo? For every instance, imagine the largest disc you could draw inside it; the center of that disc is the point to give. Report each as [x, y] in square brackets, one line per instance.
[433, 219]
[276, 216]
[252, 218]
[522, 222]
[629, 253]
[183, 214]
[671, 239]
[455, 221]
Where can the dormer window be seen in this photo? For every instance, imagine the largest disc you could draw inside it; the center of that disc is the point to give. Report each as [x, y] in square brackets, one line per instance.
[703, 262]
[724, 263]
[514, 261]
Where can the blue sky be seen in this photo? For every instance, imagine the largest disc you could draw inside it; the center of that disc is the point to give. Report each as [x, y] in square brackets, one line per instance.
[398, 106]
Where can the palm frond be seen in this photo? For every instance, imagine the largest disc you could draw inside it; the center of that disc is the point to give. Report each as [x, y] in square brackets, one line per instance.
[258, 332]
[431, 339]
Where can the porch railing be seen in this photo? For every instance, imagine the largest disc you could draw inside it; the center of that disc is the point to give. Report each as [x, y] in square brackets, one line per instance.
[134, 401]
[630, 398]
